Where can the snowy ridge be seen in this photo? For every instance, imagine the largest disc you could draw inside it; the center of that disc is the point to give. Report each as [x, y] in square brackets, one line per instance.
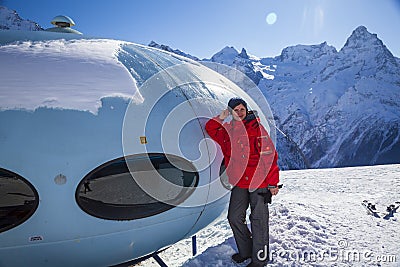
[169, 49]
[10, 20]
[307, 54]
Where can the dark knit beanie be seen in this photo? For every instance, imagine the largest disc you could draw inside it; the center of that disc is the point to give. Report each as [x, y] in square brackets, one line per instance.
[233, 102]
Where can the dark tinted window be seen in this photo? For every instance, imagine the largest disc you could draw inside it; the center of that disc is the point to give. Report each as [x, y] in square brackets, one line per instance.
[18, 200]
[136, 186]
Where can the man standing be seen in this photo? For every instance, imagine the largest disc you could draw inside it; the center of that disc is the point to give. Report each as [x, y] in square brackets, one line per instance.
[250, 159]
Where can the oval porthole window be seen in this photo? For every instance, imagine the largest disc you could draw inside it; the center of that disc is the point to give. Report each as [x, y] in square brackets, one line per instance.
[18, 200]
[117, 190]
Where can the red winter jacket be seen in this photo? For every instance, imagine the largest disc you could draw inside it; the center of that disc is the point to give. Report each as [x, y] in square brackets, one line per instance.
[249, 153]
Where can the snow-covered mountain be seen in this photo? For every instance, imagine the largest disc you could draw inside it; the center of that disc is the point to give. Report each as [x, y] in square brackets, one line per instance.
[10, 20]
[342, 108]
[334, 108]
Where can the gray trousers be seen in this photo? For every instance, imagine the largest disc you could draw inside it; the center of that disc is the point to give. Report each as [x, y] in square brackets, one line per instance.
[256, 242]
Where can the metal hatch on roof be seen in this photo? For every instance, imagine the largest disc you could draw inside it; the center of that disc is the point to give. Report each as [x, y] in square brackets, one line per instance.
[63, 24]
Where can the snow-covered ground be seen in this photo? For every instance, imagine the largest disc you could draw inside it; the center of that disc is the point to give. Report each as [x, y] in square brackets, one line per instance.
[316, 220]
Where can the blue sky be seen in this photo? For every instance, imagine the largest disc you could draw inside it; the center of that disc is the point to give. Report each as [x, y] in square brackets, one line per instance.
[204, 27]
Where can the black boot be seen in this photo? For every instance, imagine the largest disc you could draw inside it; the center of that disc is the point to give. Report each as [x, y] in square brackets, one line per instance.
[239, 259]
[253, 264]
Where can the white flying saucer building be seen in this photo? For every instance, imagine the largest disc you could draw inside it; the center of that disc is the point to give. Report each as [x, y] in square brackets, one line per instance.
[104, 158]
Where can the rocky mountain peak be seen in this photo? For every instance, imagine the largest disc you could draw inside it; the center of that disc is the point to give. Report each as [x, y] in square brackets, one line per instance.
[362, 40]
[243, 54]
[360, 37]
[368, 48]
